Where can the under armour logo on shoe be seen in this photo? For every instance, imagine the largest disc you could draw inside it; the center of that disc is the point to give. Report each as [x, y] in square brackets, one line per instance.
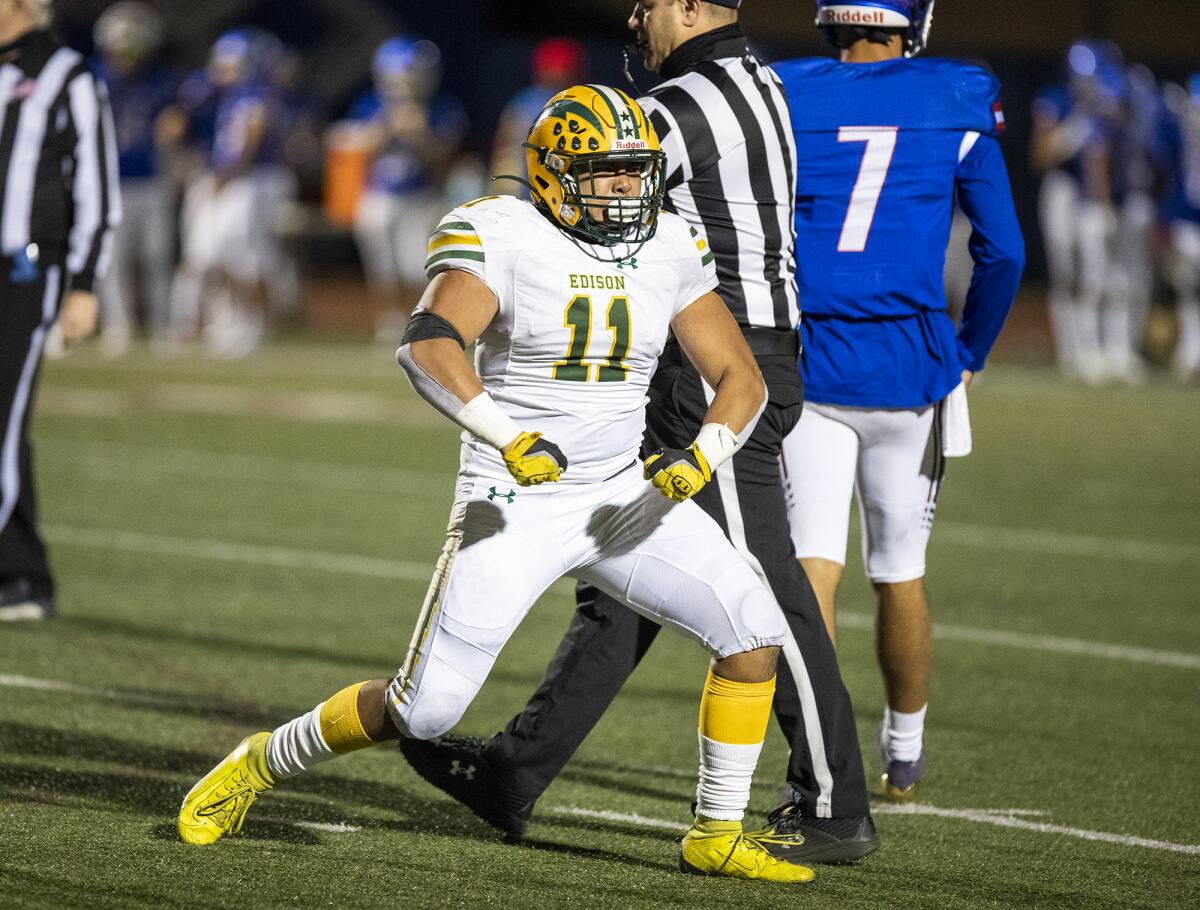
[456, 769]
[508, 497]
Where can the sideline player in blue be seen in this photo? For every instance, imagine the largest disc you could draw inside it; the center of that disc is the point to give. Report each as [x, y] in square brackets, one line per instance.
[411, 131]
[129, 36]
[1182, 210]
[884, 144]
[1074, 123]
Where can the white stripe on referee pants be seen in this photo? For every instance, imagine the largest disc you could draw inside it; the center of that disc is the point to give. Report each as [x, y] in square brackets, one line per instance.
[727, 486]
[10, 469]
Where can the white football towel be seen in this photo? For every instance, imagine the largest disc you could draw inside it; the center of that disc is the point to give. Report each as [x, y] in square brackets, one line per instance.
[956, 424]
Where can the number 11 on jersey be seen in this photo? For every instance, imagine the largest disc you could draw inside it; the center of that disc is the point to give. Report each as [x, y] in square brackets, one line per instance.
[578, 318]
[877, 158]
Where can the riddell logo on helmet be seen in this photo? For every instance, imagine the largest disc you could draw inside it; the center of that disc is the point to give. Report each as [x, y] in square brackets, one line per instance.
[852, 17]
[624, 144]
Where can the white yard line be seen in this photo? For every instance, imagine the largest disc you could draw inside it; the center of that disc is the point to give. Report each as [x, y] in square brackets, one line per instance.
[143, 464]
[375, 567]
[324, 827]
[1001, 818]
[237, 401]
[607, 815]
[265, 467]
[231, 551]
[1025, 641]
[1058, 543]
[120, 457]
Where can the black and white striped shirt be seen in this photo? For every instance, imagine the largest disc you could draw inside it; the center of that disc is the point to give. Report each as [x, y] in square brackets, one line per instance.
[723, 122]
[59, 185]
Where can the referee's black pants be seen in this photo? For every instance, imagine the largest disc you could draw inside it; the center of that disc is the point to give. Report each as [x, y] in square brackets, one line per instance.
[29, 300]
[606, 640]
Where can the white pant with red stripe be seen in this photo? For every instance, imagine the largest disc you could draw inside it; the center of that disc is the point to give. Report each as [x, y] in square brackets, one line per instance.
[891, 458]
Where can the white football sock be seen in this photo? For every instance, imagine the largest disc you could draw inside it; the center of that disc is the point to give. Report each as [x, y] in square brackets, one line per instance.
[903, 734]
[725, 774]
[298, 745]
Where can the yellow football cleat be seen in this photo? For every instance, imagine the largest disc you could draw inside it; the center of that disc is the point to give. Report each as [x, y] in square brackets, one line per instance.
[736, 854]
[893, 791]
[217, 805]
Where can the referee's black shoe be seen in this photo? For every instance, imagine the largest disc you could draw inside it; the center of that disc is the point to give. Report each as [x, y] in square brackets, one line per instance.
[459, 767]
[25, 598]
[822, 840]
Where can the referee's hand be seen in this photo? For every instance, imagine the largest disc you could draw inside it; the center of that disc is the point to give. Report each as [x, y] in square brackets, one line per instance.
[78, 316]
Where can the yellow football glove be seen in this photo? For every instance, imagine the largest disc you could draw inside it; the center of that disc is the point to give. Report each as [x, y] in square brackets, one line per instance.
[679, 474]
[532, 460]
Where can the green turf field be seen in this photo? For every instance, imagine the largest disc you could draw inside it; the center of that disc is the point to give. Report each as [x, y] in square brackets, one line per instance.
[234, 542]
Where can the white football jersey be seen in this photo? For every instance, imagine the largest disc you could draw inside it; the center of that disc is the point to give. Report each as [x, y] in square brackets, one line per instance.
[572, 348]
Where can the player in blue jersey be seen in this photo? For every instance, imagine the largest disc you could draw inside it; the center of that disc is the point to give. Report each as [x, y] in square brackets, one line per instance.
[884, 143]
[128, 36]
[1073, 127]
[411, 132]
[1138, 167]
[228, 216]
[1183, 212]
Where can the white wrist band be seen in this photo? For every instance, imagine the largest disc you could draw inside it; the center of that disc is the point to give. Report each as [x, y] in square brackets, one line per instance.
[482, 417]
[716, 443]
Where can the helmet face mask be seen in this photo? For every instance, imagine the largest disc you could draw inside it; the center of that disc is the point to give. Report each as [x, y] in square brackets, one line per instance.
[595, 167]
[612, 218]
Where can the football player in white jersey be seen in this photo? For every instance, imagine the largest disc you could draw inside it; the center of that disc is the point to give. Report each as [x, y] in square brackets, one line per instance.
[569, 301]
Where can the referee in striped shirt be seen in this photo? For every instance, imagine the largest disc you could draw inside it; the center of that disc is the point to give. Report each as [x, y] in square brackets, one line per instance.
[723, 122]
[58, 203]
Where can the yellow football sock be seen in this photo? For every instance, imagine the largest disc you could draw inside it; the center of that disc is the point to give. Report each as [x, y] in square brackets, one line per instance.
[735, 712]
[341, 727]
[733, 725]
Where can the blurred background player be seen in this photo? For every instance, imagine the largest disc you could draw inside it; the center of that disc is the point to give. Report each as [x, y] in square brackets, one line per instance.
[1138, 168]
[298, 161]
[410, 133]
[1183, 206]
[129, 36]
[878, 171]
[557, 63]
[230, 210]
[1073, 124]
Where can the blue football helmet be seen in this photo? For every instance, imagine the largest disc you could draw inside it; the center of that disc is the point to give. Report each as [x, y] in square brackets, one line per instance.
[914, 17]
[1095, 72]
[407, 68]
[244, 55]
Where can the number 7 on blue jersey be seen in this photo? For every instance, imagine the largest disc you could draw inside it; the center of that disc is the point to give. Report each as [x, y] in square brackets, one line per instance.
[877, 158]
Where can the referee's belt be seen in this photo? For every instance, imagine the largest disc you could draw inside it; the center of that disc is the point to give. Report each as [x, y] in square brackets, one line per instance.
[762, 342]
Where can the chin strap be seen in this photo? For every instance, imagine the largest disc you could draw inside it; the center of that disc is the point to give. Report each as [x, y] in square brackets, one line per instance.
[520, 180]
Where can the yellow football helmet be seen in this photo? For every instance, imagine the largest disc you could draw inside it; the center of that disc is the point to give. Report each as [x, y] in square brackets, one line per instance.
[580, 133]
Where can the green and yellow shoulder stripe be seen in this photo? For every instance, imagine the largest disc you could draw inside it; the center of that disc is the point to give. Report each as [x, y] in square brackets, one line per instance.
[455, 244]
